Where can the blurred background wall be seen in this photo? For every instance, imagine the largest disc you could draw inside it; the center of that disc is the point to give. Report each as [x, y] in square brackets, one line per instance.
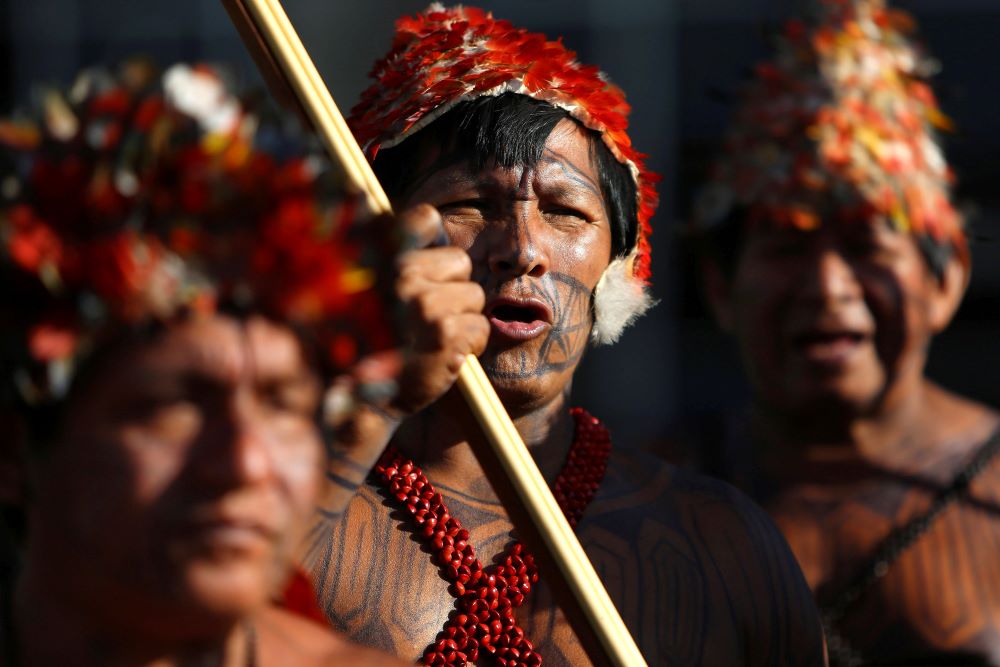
[679, 61]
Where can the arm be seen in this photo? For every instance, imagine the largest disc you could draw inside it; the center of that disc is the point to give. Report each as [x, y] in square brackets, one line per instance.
[761, 580]
[356, 446]
[442, 323]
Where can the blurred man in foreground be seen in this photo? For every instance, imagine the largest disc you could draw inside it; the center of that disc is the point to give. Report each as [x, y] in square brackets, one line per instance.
[163, 382]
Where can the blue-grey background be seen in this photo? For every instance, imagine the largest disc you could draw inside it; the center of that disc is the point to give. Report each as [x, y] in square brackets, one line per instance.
[678, 60]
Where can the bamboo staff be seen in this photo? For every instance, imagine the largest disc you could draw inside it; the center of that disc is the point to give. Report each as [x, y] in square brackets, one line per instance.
[506, 461]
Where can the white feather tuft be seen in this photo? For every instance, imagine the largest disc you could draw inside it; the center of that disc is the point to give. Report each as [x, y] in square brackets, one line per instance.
[619, 300]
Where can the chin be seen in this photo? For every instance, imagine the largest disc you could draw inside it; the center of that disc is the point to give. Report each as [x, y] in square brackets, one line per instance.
[830, 401]
[519, 391]
[517, 398]
[519, 395]
[228, 593]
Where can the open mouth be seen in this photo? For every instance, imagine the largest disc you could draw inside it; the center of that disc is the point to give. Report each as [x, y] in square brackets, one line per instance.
[828, 347]
[518, 319]
[828, 338]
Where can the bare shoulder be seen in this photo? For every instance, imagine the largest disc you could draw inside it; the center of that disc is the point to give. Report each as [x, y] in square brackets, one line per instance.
[695, 543]
[953, 421]
[285, 638]
[961, 408]
[641, 488]
[960, 431]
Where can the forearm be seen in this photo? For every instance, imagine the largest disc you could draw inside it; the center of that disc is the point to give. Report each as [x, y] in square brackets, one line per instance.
[353, 451]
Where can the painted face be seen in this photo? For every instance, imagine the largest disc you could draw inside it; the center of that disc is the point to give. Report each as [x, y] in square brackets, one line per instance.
[834, 319]
[188, 468]
[539, 238]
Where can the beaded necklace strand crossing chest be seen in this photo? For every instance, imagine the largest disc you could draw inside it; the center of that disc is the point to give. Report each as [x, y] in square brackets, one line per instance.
[841, 652]
[484, 624]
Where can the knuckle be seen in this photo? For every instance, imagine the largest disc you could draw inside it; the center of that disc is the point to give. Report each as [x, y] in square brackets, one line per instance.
[422, 213]
[404, 268]
[463, 263]
[424, 306]
[454, 364]
[421, 222]
[409, 276]
[477, 298]
[480, 331]
[447, 331]
[482, 326]
[404, 287]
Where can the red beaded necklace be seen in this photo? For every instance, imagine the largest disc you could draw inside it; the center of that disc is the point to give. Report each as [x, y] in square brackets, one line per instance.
[488, 596]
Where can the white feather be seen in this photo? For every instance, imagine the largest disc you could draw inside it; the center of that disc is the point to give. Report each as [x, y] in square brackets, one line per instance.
[619, 300]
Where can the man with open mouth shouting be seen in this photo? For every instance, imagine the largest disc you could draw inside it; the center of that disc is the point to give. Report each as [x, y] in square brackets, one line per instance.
[517, 153]
[835, 256]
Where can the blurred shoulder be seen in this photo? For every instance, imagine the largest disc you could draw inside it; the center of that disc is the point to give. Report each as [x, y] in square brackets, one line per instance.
[639, 480]
[704, 526]
[285, 638]
[955, 432]
[696, 543]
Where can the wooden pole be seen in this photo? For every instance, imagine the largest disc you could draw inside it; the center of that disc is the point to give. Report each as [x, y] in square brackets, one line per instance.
[506, 461]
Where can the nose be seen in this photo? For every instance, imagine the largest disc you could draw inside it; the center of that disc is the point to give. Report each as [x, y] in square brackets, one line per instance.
[517, 243]
[236, 452]
[830, 278]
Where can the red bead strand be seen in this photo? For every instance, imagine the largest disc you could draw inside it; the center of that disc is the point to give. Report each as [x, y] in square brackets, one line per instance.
[484, 624]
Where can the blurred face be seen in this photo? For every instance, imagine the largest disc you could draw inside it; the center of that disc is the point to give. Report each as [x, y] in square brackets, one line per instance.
[539, 238]
[834, 320]
[188, 466]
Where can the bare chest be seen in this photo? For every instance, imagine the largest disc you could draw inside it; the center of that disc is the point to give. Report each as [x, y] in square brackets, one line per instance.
[386, 587]
[940, 594]
[381, 585]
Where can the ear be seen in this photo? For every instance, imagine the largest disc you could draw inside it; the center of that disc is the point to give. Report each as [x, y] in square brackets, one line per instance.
[718, 293]
[948, 292]
[619, 300]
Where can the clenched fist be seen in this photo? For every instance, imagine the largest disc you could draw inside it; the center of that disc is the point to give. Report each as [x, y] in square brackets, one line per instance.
[443, 319]
[442, 322]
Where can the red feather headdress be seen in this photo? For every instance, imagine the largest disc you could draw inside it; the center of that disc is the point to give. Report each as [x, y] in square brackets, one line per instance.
[446, 56]
[843, 112]
[136, 196]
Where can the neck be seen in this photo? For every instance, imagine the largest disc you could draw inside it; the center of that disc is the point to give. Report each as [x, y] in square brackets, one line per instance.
[548, 434]
[51, 628]
[830, 445]
[436, 440]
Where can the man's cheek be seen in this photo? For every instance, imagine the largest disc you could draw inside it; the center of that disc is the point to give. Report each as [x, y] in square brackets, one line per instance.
[302, 476]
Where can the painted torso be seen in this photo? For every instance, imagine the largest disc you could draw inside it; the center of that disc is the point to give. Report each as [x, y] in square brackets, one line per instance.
[700, 576]
[940, 600]
[941, 597]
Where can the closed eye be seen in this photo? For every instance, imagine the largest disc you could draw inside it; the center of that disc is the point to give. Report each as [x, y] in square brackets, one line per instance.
[568, 213]
[296, 399]
[474, 204]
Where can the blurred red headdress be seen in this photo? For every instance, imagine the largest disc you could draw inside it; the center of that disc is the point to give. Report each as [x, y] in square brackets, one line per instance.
[138, 196]
[843, 111]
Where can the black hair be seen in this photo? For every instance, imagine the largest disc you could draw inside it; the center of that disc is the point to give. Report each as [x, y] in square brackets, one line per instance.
[510, 130]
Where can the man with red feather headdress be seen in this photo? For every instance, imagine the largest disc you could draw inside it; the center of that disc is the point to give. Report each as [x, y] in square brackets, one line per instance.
[175, 279]
[834, 256]
[529, 212]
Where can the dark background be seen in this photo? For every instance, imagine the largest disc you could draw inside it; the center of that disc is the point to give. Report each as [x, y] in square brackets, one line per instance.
[679, 61]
